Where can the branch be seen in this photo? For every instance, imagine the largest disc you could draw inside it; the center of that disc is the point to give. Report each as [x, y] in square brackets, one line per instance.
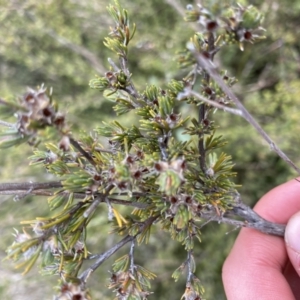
[104, 256]
[190, 273]
[211, 70]
[251, 220]
[131, 255]
[38, 189]
[130, 87]
[203, 109]
[216, 104]
[83, 152]
[6, 124]
[25, 186]
[22, 194]
[97, 201]
[163, 146]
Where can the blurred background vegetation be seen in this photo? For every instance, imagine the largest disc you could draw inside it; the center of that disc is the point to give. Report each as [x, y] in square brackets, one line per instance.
[60, 43]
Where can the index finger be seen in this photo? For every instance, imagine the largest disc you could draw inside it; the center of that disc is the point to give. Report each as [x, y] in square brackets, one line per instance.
[254, 267]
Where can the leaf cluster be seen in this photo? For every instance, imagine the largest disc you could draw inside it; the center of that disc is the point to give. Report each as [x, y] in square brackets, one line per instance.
[170, 183]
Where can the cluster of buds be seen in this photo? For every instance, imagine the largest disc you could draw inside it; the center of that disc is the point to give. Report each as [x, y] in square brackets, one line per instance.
[190, 293]
[202, 16]
[122, 174]
[171, 175]
[170, 121]
[183, 200]
[117, 80]
[22, 239]
[182, 209]
[97, 181]
[37, 112]
[71, 291]
[135, 170]
[178, 166]
[212, 91]
[242, 24]
[53, 246]
[124, 284]
[112, 80]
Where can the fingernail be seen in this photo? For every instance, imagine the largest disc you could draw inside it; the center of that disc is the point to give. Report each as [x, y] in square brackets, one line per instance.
[292, 240]
[292, 233]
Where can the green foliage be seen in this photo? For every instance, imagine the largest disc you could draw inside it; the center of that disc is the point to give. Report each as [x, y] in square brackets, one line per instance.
[130, 166]
[147, 164]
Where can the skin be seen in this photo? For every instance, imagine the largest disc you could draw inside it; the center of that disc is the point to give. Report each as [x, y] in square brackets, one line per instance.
[262, 266]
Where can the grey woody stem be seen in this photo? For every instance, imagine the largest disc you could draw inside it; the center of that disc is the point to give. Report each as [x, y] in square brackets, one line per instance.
[216, 104]
[24, 186]
[210, 68]
[83, 152]
[6, 124]
[250, 218]
[104, 256]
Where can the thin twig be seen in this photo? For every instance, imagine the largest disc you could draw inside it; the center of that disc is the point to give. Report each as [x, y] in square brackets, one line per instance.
[97, 201]
[22, 193]
[251, 218]
[130, 87]
[128, 203]
[25, 186]
[203, 108]
[216, 104]
[6, 124]
[104, 256]
[201, 148]
[83, 152]
[189, 266]
[40, 189]
[212, 71]
[113, 64]
[131, 256]
[163, 146]
[103, 150]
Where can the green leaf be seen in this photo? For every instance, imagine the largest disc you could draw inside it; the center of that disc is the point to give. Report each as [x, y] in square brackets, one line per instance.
[182, 217]
[56, 201]
[121, 264]
[176, 274]
[123, 106]
[169, 182]
[99, 83]
[211, 142]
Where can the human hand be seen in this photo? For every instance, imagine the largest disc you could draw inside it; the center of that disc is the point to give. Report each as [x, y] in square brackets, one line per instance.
[266, 267]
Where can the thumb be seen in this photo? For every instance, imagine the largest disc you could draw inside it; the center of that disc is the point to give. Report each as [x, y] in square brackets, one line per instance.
[292, 240]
